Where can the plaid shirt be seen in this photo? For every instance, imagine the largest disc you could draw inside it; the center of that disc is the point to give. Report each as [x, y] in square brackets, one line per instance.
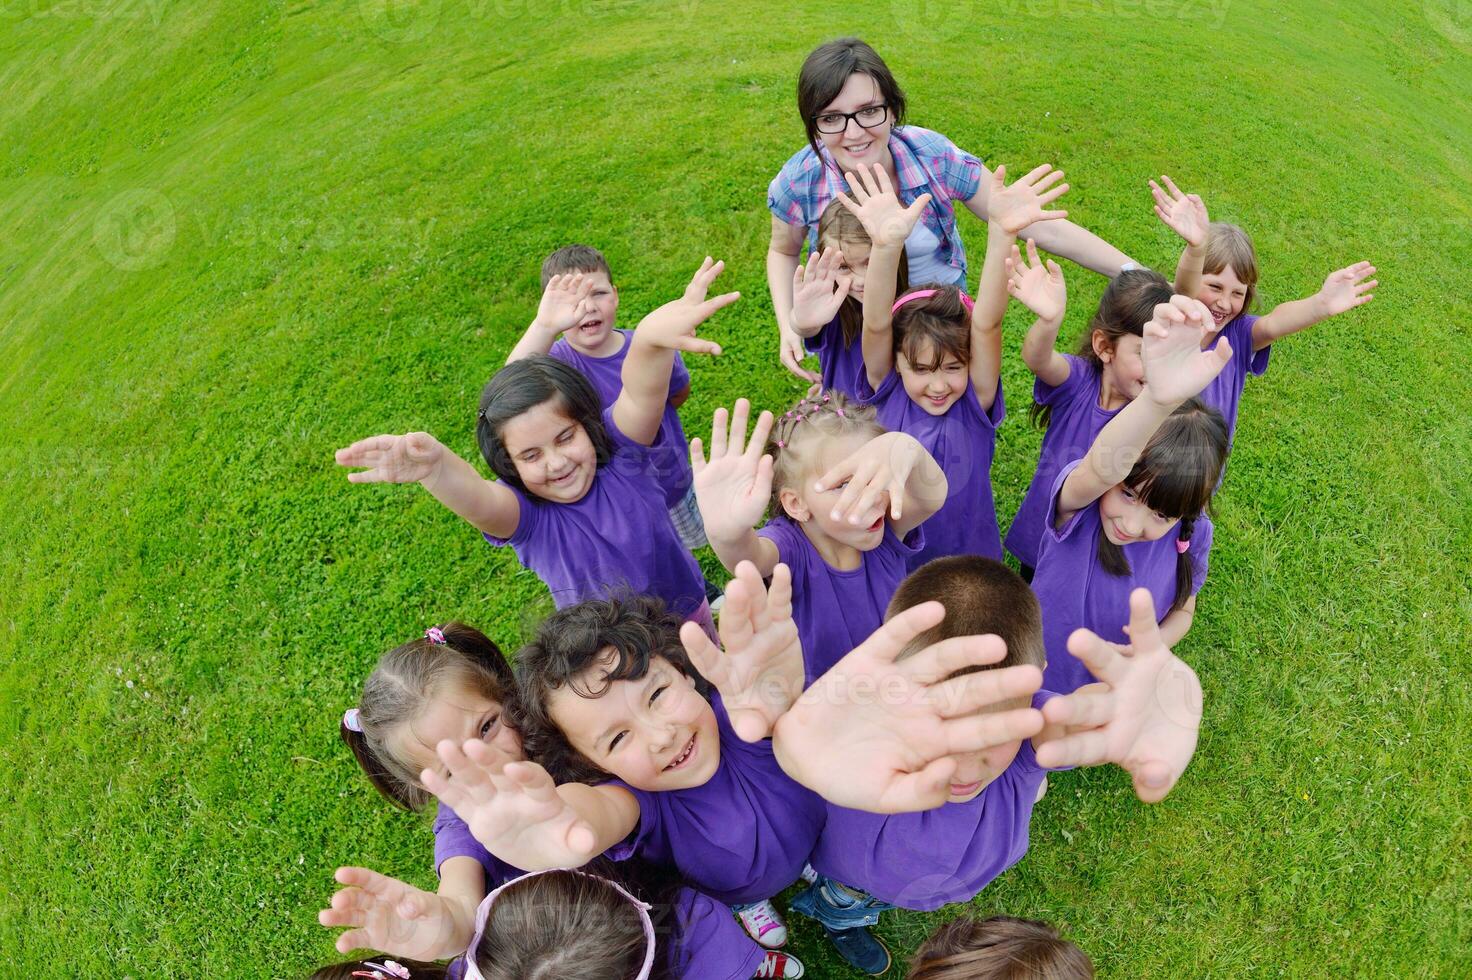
[925, 161]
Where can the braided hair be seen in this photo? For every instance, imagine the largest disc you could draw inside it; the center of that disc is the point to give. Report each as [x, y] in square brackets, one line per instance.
[795, 436]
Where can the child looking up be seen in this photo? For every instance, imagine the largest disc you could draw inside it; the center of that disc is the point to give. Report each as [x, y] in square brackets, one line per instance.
[584, 526]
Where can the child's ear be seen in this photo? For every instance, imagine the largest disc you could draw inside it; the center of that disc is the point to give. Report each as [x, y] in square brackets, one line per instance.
[793, 506]
[1103, 349]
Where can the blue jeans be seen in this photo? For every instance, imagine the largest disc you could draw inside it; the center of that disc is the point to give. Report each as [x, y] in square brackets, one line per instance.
[827, 902]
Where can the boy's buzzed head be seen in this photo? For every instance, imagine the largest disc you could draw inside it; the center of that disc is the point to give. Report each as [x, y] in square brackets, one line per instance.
[574, 258]
[981, 596]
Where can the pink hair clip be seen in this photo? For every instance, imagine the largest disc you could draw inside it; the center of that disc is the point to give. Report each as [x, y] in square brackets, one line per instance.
[350, 719]
[384, 970]
[838, 412]
[966, 300]
[435, 635]
[825, 399]
[781, 444]
[1182, 545]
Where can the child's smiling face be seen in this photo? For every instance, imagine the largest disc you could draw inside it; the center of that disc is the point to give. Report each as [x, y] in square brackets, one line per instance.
[1127, 519]
[552, 452]
[1124, 370]
[593, 334]
[811, 507]
[1224, 294]
[938, 380]
[656, 733]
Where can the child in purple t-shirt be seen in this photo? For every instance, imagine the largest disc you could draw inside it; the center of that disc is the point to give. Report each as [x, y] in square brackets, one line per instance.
[870, 862]
[1128, 513]
[847, 500]
[578, 497]
[933, 358]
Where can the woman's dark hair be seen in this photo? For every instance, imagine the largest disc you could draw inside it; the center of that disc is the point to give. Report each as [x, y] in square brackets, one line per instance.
[523, 385]
[999, 948]
[824, 73]
[1176, 476]
[406, 679]
[571, 643]
[941, 320]
[839, 225]
[1128, 304]
[418, 970]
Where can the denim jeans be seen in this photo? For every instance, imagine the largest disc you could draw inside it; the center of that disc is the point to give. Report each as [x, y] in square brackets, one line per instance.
[827, 902]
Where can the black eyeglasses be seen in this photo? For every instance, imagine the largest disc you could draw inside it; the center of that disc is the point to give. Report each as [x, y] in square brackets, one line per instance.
[867, 117]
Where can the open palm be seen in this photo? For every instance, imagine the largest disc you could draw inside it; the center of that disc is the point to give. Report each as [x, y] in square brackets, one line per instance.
[393, 917]
[1184, 214]
[1347, 288]
[1037, 286]
[732, 488]
[1023, 202]
[407, 458]
[1176, 368]
[818, 290]
[878, 208]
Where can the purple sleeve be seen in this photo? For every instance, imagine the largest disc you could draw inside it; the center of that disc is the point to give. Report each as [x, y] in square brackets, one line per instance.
[1079, 374]
[643, 830]
[1026, 755]
[907, 547]
[991, 417]
[529, 515]
[791, 551]
[866, 394]
[452, 838]
[1200, 552]
[1241, 339]
[679, 375]
[1060, 533]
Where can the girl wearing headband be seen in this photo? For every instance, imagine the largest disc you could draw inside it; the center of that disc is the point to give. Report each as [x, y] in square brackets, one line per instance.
[933, 357]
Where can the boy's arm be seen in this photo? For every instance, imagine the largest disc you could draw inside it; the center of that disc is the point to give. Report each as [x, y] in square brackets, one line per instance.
[420, 458]
[732, 489]
[1343, 290]
[564, 303]
[639, 408]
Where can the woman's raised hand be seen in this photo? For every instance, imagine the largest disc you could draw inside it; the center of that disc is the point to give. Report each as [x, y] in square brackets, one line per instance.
[407, 458]
[818, 290]
[1040, 288]
[1184, 214]
[1021, 203]
[878, 208]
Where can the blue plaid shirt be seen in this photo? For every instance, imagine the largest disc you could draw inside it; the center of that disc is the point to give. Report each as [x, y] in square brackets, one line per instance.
[925, 162]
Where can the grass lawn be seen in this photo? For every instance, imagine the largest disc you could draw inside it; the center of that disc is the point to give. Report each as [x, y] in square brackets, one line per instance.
[235, 236]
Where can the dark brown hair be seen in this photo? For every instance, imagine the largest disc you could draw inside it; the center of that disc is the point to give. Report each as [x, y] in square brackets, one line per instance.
[800, 430]
[574, 258]
[940, 320]
[1229, 245]
[523, 385]
[418, 969]
[406, 679]
[826, 70]
[570, 643]
[1128, 304]
[999, 948]
[838, 226]
[1176, 476]
[981, 596]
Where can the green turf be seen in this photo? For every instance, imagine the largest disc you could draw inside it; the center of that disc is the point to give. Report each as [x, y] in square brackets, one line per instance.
[235, 236]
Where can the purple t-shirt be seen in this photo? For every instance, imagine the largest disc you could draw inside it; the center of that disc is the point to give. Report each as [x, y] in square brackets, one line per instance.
[834, 610]
[618, 537]
[1075, 591]
[963, 441]
[672, 460]
[840, 364]
[741, 837]
[1076, 422]
[452, 838]
[924, 860]
[1225, 391]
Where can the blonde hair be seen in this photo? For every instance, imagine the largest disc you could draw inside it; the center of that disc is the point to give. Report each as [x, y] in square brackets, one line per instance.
[1228, 245]
[795, 437]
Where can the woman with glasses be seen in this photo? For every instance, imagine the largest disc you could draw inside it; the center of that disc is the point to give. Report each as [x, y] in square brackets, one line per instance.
[854, 112]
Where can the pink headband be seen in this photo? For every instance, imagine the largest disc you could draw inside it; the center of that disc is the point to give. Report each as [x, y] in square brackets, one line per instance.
[925, 294]
[482, 914]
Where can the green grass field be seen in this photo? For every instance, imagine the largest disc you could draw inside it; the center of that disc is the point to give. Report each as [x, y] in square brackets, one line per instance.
[235, 236]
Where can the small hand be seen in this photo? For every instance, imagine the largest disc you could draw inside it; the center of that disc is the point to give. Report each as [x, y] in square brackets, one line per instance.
[1146, 715]
[673, 325]
[1021, 204]
[1176, 368]
[733, 488]
[792, 353]
[388, 915]
[1041, 289]
[393, 459]
[514, 811]
[1184, 214]
[564, 302]
[876, 471]
[878, 208]
[818, 290]
[1347, 288]
[760, 671]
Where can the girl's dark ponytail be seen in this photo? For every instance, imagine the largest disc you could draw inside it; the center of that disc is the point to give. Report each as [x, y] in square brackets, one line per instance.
[1185, 567]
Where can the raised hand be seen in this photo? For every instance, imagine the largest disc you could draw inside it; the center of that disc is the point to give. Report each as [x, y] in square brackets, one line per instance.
[387, 915]
[1019, 205]
[1144, 717]
[1184, 214]
[564, 302]
[407, 458]
[875, 734]
[760, 671]
[1039, 288]
[791, 352]
[1176, 368]
[1346, 289]
[878, 208]
[733, 488]
[881, 466]
[514, 811]
[818, 290]
[673, 324]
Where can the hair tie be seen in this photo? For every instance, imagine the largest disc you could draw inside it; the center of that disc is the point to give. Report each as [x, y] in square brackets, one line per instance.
[781, 444]
[825, 399]
[480, 413]
[1182, 545]
[966, 300]
[838, 412]
[483, 914]
[350, 719]
[435, 635]
[384, 970]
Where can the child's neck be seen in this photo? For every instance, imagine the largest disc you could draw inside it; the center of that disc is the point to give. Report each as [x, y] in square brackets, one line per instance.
[1110, 397]
[611, 345]
[844, 557]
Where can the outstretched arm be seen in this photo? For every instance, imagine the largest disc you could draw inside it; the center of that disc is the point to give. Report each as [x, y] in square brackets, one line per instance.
[639, 408]
[732, 490]
[784, 254]
[1343, 290]
[394, 917]
[564, 304]
[1042, 290]
[419, 457]
[1061, 238]
[1184, 214]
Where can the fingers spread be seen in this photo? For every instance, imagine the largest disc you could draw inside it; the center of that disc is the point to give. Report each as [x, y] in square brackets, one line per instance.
[978, 732]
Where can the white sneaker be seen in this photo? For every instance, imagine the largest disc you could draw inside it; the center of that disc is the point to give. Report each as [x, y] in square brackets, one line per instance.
[765, 925]
[809, 874]
[780, 965]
